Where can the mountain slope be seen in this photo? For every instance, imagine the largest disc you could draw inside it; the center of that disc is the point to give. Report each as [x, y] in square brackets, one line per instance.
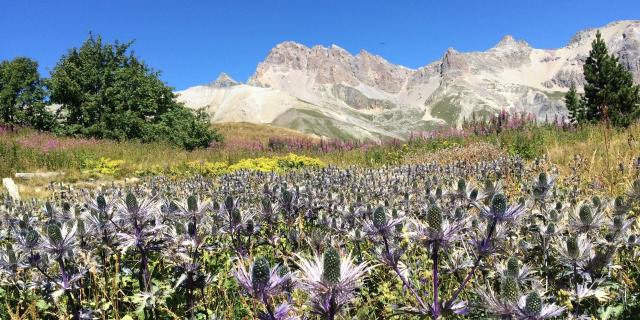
[330, 92]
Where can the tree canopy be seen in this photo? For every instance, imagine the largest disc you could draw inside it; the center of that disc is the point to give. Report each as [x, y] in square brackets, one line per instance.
[105, 91]
[22, 95]
[609, 91]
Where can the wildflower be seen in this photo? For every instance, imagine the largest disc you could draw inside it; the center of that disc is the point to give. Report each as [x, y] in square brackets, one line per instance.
[585, 220]
[437, 228]
[501, 305]
[500, 211]
[381, 225]
[531, 307]
[59, 240]
[542, 187]
[260, 280]
[575, 250]
[331, 281]
[513, 268]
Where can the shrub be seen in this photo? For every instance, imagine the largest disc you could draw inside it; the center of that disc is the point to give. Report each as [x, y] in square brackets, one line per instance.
[104, 166]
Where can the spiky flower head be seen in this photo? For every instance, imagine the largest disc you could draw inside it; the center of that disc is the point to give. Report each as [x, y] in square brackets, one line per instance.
[473, 195]
[509, 289]
[558, 205]
[618, 222]
[192, 203]
[434, 217]
[331, 266]
[229, 203]
[499, 204]
[48, 207]
[553, 215]
[572, 247]
[31, 238]
[585, 214]
[618, 202]
[191, 229]
[438, 192]
[533, 304]
[596, 201]
[266, 205]
[260, 273]
[131, 202]
[379, 217]
[551, 228]
[101, 202]
[236, 216]
[54, 233]
[542, 178]
[513, 267]
[462, 185]
[287, 197]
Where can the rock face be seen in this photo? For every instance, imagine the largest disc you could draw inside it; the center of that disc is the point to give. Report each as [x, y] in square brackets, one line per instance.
[224, 81]
[330, 92]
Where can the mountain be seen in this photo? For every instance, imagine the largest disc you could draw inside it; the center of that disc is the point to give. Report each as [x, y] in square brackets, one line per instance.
[331, 92]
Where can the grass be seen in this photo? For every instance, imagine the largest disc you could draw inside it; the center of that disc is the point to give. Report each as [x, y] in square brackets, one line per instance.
[609, 168]
[257, 132]
[446, 110]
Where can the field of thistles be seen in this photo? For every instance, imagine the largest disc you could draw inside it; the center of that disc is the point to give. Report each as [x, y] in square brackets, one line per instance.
[502, 238]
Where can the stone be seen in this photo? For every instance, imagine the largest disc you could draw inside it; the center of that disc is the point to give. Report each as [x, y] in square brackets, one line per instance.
[12, 188]
[33, 175]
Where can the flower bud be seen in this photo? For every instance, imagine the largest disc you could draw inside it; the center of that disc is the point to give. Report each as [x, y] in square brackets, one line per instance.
[533, 304]
[54, 233]
[379, 217]
[434, 217]
[509, 290]
[513, 267]
[260, 273]
[499, 204]
[131, 202]
[585, 215]
[331, 266]
[192, 203]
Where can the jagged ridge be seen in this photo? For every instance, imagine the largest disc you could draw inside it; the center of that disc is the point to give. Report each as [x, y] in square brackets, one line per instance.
[331, 92]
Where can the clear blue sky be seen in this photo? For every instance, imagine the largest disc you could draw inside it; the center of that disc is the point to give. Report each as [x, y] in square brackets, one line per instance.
[191, 42]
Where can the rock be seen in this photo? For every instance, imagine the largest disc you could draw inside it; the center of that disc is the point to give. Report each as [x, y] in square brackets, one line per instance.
[12, 188]
[567, 78]
[224, 81]
[132, 180]
[32, 175]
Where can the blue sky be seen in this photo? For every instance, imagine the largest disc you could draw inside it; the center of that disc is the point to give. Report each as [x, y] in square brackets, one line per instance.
[191, 42]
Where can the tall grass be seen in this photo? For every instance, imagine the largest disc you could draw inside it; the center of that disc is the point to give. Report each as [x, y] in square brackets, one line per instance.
[25, 150]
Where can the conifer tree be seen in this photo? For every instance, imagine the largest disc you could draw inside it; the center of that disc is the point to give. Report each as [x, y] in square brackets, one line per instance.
[574, 105]
[609, 92]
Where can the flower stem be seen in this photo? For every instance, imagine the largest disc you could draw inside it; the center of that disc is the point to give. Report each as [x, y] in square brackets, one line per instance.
[436, 305]
[484, 244]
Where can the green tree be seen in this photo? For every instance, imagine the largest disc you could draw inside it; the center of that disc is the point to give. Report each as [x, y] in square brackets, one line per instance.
[22, 95]
[104, 91]
[574, 105]
[609, 92]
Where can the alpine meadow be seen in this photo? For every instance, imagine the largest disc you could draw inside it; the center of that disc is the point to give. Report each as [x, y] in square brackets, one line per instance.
[501, 183]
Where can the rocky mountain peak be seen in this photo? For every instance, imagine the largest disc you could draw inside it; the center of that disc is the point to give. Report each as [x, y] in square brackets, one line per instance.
[224, 81]
[328, 91]
[508, 42]
[453, 63]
